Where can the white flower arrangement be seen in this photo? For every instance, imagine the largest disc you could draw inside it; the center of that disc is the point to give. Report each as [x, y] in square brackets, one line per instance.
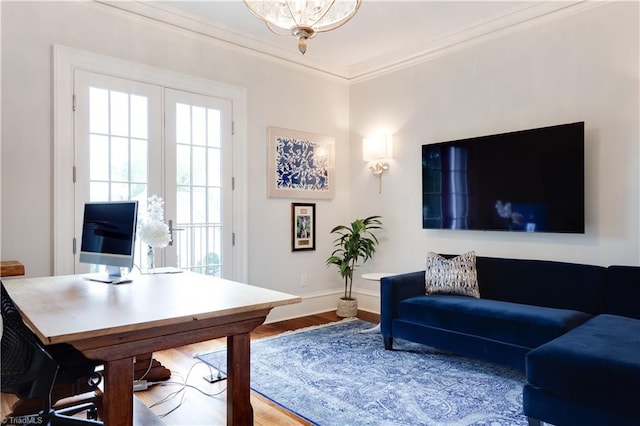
[152, 230]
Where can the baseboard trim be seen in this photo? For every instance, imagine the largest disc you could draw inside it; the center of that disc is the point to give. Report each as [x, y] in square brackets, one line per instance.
[318, 303]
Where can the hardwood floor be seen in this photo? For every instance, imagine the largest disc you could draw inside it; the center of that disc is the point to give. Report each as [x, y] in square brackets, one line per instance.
[195, 408]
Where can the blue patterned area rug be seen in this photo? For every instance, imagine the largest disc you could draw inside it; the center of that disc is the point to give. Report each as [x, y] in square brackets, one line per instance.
[338, 375]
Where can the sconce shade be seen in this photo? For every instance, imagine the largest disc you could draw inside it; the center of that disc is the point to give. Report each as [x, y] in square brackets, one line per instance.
[377, 151]
[377, 148]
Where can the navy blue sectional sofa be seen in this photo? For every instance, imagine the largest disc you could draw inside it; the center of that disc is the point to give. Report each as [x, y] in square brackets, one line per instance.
[574, 329]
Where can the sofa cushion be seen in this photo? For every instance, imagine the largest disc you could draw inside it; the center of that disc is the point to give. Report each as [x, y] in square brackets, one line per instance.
[541, 282]
[452, 276]
[596, 363]
[523, 325]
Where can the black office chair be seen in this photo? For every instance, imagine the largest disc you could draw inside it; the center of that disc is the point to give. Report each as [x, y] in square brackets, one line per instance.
[31, 370]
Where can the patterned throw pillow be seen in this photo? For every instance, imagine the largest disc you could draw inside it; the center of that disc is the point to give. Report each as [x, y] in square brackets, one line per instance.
[452, 276]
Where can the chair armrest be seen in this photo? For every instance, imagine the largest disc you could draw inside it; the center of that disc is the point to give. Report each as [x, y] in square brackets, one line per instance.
[393, 290]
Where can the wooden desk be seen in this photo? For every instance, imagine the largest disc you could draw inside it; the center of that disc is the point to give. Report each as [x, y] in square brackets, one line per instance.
[113, 323]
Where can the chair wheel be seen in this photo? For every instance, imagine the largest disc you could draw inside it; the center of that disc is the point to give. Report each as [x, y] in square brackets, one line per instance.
[92, 413]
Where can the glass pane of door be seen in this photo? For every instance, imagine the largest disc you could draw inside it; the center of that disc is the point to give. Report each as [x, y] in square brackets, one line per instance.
[117, 144]
[198, 140]
[117, 150]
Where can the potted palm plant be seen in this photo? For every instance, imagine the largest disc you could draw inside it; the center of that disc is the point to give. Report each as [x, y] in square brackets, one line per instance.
[354, 243]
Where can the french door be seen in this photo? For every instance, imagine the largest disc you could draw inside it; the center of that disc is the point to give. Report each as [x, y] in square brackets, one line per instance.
[133, 140]
[198, 196]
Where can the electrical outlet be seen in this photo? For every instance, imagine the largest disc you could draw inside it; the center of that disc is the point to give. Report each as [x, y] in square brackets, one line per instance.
[303, 280]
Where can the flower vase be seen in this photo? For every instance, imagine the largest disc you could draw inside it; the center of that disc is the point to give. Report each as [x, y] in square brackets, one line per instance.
[150, 259]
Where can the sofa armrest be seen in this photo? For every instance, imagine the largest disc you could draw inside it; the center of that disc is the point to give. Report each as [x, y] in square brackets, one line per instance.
[393, 290]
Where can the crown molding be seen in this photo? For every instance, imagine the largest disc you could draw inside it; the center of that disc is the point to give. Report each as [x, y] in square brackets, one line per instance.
[533, 15]
[516, 21]
[164, 14]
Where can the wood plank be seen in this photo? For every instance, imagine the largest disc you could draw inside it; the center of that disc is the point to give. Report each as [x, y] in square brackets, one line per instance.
[161, 332]
[11, 268]
[168, 340]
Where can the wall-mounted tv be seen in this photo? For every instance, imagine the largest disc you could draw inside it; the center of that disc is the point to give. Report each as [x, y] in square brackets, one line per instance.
[529, 181]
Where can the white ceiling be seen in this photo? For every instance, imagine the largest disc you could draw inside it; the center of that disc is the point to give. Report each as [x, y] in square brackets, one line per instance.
[383, 34]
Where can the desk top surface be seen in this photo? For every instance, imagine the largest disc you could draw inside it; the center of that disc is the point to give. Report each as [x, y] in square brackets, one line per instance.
[69, 308]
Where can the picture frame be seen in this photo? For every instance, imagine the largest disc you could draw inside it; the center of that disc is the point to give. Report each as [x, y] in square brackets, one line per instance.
[303, 226]
[300, 164]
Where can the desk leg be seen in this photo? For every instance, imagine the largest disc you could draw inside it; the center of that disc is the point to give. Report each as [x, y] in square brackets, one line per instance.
[239, 410]
[118, 392]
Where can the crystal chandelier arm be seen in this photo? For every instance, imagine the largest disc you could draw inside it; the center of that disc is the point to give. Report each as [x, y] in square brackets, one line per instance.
[277, 30]
[293, 15]
[314, 23]
[342, 20]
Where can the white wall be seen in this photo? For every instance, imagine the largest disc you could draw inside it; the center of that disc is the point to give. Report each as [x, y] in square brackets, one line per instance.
[582, 67]
[275, 94]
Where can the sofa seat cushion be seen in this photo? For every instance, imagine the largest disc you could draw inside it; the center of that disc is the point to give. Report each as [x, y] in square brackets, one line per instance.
[596, 363]
[514, 323]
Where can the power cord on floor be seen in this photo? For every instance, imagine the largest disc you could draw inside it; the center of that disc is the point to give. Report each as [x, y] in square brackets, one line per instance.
[182, 390]
[141, 384]
[213, 378]
[148, 368]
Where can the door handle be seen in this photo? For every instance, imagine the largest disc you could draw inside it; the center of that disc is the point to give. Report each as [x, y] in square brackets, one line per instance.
[171, 229]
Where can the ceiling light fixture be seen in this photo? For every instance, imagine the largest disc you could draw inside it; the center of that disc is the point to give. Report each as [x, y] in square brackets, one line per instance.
[303, 18]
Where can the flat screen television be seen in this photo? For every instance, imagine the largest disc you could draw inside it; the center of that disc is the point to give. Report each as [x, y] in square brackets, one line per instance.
[529, 181]
[109, 236]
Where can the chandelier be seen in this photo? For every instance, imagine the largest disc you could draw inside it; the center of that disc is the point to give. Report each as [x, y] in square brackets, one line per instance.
[303, 18]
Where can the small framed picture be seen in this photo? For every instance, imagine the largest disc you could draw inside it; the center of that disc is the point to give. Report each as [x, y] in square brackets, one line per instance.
[303, 226]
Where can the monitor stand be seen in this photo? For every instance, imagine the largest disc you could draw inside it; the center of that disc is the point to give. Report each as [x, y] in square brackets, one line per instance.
[112, 276]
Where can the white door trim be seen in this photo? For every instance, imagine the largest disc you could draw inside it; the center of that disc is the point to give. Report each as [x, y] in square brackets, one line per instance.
[66, 60]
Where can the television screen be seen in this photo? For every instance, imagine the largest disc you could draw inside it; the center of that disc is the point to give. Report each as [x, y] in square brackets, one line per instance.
[530, 181]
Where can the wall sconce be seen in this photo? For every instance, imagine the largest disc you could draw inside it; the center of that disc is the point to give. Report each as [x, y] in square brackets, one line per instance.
[377, 151]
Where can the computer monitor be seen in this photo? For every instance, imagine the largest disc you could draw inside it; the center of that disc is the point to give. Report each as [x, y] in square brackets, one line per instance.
[109, 236]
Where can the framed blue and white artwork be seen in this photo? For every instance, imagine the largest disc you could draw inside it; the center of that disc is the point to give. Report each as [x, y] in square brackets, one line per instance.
[301, 164]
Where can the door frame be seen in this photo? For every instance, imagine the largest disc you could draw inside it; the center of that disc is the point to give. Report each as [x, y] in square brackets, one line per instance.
[65, 61]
